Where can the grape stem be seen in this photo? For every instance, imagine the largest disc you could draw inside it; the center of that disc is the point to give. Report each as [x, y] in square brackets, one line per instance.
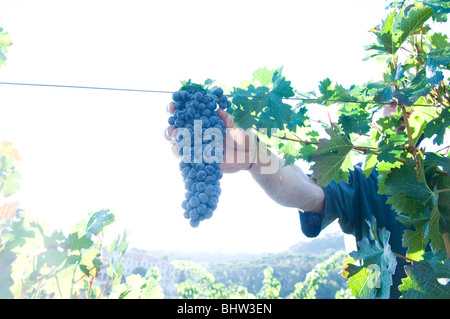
[411, 147]
[403, 257]
[299, 140]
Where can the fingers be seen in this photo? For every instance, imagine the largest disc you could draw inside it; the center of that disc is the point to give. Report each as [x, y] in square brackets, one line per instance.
[174, 150]
[170, 133]
[227, 118]
[170, 107]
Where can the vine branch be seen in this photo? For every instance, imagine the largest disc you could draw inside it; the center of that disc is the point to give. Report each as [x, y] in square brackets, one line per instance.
[411, 147]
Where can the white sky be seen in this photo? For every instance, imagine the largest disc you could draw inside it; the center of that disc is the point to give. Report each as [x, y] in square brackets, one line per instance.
[84, 150]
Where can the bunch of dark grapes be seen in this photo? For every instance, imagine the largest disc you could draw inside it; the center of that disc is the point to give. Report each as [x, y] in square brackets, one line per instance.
[200, 136]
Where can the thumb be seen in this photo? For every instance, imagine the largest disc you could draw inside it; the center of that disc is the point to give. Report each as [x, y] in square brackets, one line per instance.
[227, 118]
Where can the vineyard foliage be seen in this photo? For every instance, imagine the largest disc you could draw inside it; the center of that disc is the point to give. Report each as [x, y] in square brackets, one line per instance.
[412, 163]
[37, 262]
[408, 148]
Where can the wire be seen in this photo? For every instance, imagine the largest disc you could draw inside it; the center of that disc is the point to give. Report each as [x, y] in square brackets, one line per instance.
[170, 92]
[85, 87]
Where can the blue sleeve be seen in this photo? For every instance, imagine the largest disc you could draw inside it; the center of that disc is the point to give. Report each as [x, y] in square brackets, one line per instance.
[352, 204]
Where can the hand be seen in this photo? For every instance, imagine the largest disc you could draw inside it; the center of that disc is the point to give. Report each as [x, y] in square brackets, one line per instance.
[240, 146]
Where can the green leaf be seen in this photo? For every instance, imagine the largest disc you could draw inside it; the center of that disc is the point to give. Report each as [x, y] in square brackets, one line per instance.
[384, 37]
[408, 23]
[439, 160]
[434, 234]
[331, 158]
[5, 41]
[8, 175]
[249, 103]
[52, 257]
[436, 128]
[289, 151]
[7, 257]
[77, 243]
[416, 243]
[187, 85]
[422, 283]
[398, 26]
[374, 278]
[408, 181]
[264, 76]
[332, 93]
[391, 146]
[439, 40]
[281, 87]
[441, 9]
[98, 221]
[298, 119]
[260, 104]
[90, 262]
[443, 183]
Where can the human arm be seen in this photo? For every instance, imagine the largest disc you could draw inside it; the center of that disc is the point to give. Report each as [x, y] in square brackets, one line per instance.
[287, 185]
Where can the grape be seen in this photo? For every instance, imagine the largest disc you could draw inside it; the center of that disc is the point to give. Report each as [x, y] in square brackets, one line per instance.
[194, 201]
[203, 197]
[201, 175]
[201, 186]
[194, 117]
[210, 190]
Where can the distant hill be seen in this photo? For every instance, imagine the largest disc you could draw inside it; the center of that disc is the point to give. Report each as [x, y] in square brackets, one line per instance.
[315, 246]
[318, 246]
[290, 266]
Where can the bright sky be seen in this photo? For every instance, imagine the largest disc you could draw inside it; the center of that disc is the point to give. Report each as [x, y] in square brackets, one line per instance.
[84, 150]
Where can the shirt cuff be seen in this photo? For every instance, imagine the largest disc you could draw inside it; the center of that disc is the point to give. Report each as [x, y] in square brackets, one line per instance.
[311, 223]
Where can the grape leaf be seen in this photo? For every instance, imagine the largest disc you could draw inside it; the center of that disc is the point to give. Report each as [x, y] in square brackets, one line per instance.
[410, 195]
[331, 158]
[90, 262]
[374, 278]
[420, 85]
[260, 104]
[409, 21]
[397, 27]
[443, 182]
[408, 183]
[384, 37]
[8, 175]
[434, 234]
[7, 257]
[439, 40]
[77, 243]
[435, 129]
[289, 151]
[441, 161]
[98, 221]
[441, 9]
[5, 41]
[415, 241]
[264, 76]
[355, 122]
[422, 283]
[391, 146]
[298, 119]
[331, 93]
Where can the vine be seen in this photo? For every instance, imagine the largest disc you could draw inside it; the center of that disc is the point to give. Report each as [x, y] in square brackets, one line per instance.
[401, 146]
